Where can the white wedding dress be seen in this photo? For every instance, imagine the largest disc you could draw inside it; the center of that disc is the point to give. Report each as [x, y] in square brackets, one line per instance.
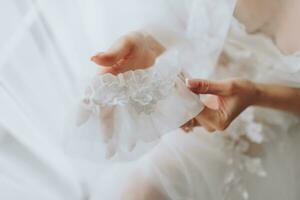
[43, 74]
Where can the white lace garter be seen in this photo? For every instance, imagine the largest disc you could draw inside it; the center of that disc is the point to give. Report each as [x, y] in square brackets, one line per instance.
[139, 105]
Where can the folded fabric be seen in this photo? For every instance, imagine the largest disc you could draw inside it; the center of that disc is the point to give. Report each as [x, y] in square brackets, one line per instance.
[139, 105]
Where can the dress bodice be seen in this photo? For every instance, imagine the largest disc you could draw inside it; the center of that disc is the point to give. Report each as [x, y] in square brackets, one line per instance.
[258, 57]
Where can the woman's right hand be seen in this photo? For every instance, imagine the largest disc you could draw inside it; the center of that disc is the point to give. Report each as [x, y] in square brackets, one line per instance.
[136, 50]
[228, 98]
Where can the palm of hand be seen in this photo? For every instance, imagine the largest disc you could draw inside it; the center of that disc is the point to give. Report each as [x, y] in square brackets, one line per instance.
[132, 51]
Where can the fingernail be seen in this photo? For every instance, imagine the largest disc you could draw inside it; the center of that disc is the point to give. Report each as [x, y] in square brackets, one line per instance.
[187, 82]
[190, 83]
[93, 58]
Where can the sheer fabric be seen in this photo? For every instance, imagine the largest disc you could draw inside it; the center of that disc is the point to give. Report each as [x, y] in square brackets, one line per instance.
[38, 79]
[140, 105]
[44, 69]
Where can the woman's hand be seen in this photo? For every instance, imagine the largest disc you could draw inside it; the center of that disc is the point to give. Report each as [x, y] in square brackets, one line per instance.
[136, 50]
[228, 98]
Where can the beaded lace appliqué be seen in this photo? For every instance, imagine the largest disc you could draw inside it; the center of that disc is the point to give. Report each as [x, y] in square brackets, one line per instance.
[140, 89]
[239, 163]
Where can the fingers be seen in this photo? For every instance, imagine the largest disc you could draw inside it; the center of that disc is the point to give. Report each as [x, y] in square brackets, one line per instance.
[105, 58]
[116, 55]
[190, 125]
[200, 86]
[117, 68]
[110, 70]
[212, 120]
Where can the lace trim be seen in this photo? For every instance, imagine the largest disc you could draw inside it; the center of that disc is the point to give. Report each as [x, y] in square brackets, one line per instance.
[140, 105]
[140, 89]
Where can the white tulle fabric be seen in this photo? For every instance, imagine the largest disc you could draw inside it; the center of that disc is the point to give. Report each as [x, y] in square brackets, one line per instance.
[140, 105]
[33, 100]
[45, 67]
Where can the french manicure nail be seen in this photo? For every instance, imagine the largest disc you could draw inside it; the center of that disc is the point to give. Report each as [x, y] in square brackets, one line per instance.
[187, 82]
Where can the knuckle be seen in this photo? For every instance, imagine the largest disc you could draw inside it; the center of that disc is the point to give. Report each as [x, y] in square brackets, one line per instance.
[237, 84]
[233, 86]
[204, 86]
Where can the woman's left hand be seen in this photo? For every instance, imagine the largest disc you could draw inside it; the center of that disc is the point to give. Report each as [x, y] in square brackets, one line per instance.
[135, 50]
[228, 98]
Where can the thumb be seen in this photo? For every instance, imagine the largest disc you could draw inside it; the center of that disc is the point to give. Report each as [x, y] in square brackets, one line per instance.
[201, 86]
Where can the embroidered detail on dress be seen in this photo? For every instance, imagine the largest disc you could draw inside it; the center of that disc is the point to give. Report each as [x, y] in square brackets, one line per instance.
[236, 147]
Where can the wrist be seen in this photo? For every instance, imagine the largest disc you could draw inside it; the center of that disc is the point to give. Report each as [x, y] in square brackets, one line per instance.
[153, 44]
[258, 94]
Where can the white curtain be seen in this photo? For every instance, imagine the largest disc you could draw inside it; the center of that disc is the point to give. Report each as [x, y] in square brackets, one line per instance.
[45, 46]
[42, 55]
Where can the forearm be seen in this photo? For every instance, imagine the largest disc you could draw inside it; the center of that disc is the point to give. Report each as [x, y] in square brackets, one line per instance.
[278, 97]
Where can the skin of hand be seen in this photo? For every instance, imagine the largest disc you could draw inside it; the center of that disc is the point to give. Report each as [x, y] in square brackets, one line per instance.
[227, 99]
[135, 50]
